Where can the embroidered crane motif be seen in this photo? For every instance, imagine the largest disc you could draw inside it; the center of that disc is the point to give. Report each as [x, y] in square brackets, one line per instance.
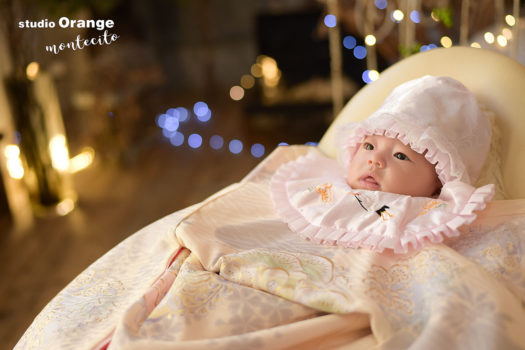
[382, 212]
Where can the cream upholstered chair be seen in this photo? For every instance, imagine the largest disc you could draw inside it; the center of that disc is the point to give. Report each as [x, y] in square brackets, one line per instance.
[497, 81]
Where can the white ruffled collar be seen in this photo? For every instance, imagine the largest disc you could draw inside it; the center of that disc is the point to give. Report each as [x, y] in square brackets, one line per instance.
[313, 198]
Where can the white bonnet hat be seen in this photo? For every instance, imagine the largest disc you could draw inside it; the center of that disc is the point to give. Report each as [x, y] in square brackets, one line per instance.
[438, 114]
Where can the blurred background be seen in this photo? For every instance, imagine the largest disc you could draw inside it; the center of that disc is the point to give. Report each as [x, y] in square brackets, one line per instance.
[174, 101]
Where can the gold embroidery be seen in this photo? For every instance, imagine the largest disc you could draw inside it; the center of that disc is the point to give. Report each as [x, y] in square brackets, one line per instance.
[430, 205]
[326, 192]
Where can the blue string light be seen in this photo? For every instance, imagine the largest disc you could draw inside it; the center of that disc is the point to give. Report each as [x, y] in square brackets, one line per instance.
[195, 140]
[235, 146]
[160, 120]
[204, 117]
[257, 150]
[415, 17]
[216, 142]
[366, 77]
[177, 139]
[330, 21]
[349, 42]
[171, 123]
[360, 52]
[200, 108]
[183, 114]
[381, 4]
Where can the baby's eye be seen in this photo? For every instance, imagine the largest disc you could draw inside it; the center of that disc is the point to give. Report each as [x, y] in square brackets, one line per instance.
[368, 146]
[401, 156]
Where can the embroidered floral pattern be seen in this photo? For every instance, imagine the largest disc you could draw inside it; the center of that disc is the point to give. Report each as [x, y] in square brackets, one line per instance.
[309, 279]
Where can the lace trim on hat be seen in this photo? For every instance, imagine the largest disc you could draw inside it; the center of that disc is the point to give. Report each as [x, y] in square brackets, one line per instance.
[420, 139]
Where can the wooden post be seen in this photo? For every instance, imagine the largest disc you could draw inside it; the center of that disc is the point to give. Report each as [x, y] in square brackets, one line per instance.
[336, 61]
[464, 26]
[515, 30]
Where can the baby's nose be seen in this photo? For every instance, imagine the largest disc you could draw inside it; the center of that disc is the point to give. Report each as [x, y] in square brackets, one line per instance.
[375, 162]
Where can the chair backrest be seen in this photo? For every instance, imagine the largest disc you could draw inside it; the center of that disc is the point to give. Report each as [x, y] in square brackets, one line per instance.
[497, 81]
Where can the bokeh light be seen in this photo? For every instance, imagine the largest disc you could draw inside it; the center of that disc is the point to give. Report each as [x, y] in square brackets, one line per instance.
[32, 70]
[415, 17]
[183, 114]
[511, 21]
[195, 140]
[476, 45]
[311, 143]
[502, 41]
[446, 41]
[270, 71]
[160, 120]
[247, 81]
[216, 142]
[369, 76]
[59, 152]
[427, 47]
[14, 163]
[489, 37]
[349, 42]
[283, 144]
[174, 112]
[370, 40]
[11, 151]
[65, 207]
[256, 70]
[398, 16]
[360, 52]
[507, 33]
[330, 21]
[177, 139]
[171, 123]
[257, 150]
[205, 117]
[168, 134]
[381, 4]
[235, 146]
[82, 160]
[236, 93]
[200, 108]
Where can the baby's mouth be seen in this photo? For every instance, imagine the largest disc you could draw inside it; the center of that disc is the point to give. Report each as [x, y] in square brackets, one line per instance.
[369, 182]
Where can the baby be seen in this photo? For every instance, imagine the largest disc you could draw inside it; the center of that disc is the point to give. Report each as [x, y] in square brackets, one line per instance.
[404, 176]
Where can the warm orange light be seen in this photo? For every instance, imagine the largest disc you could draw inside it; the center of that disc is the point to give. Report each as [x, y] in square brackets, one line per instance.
[82, 160]
[236, 93]
[14, 163]
[247, 81]
[59, 152]
[32, 70]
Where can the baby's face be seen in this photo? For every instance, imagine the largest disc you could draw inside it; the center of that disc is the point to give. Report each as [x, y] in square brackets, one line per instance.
[385, 164]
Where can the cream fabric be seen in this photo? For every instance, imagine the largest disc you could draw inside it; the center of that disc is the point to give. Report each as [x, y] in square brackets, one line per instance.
[245, 281]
